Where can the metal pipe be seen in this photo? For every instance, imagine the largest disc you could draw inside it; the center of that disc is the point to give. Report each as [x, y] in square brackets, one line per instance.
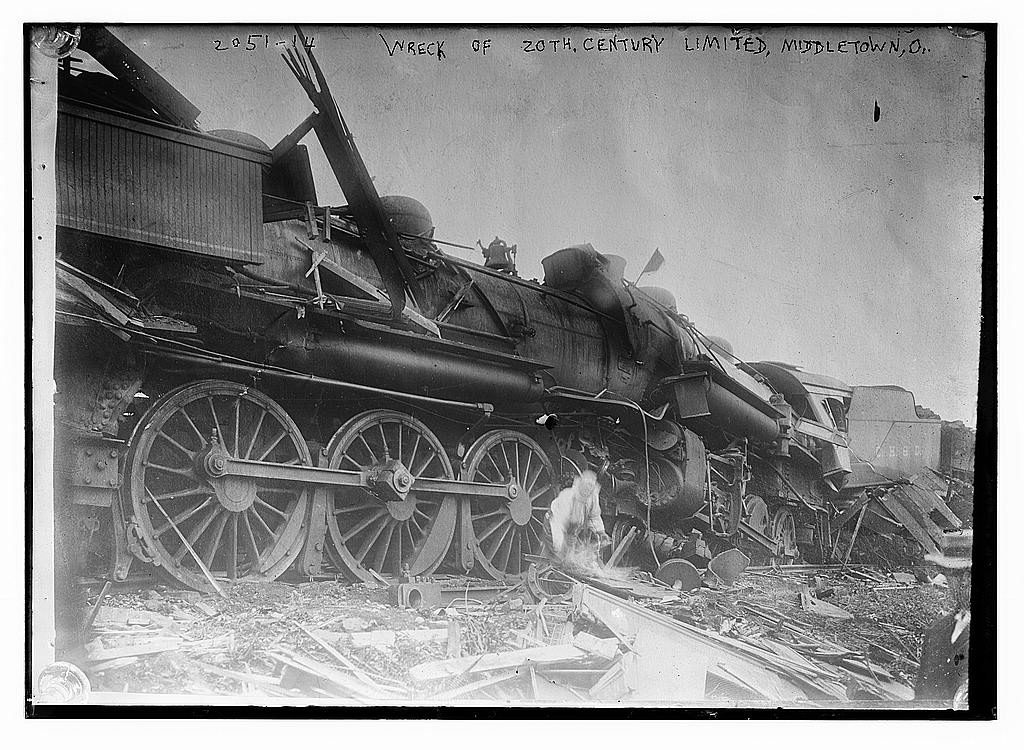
[475, 332]
[561, 392]
[255, 369]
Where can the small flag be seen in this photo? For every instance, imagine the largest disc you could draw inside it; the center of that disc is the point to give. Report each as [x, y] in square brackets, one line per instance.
[654, 263]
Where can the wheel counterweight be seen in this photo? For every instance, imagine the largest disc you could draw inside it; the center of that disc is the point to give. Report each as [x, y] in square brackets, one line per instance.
[241, 529]
[393, 528]
[506, 529]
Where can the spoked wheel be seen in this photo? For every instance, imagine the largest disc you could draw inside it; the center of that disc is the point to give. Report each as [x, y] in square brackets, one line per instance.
[242, 529]
[506, 528]
[388, 529]
[784, 534]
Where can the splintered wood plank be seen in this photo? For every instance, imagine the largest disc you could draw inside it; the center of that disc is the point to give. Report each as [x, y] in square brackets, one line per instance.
[612, 684]
[931, 497]
[467, 690]
[335, 679]
[910, 498]
[920, 535]
[434, 670]
[850, 512]
[95, 651]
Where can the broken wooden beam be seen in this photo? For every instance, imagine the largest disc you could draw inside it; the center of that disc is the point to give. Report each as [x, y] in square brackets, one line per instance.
[605, 648]
[541, 655]
[671, 660]
[853, 537]
[620, 550]
[96, 651]
[335, 680]
[475, 686]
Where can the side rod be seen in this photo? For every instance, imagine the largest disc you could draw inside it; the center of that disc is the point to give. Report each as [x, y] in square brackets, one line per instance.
[237, 467]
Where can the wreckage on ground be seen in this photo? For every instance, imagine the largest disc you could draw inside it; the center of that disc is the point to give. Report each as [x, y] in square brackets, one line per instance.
[609, 638]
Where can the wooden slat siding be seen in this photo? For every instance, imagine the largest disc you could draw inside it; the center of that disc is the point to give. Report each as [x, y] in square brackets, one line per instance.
[132, 185]
[239, 175]
[216, 188]
[250, 208]
[118, 144]
[141, 181]
[193, 202]
[115, 141]
[199, 189]
[182, 202]
[243, 198]
[246, 207]
[147, 158]
[226, 188]
[64, 197]
[151, 176]
[209, 168]
[160, 184]
[220, 174]
[204, 186]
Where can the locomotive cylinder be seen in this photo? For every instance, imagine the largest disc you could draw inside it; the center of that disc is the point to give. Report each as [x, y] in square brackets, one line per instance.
[737, 417]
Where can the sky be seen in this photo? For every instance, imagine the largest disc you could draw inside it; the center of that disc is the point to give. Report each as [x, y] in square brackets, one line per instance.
[795, 222]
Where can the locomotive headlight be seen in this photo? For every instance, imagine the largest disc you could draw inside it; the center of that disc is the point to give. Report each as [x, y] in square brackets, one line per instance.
[56, 41]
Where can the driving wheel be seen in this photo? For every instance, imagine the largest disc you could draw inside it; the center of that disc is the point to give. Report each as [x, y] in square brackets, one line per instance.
[188, 515]
[506, 528]
[391, 527]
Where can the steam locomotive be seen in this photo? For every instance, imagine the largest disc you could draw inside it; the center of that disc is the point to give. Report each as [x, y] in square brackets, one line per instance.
[250, 382]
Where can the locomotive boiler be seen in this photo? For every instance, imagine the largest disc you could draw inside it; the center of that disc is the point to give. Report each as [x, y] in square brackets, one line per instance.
[250, 382]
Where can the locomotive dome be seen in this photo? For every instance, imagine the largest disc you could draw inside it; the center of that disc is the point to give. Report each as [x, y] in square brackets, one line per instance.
[662, 296]
[408, 215]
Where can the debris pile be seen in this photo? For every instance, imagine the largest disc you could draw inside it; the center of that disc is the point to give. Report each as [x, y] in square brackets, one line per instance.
[290, 641]
[791, 635]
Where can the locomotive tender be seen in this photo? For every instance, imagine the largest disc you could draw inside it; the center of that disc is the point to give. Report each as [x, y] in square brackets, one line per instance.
[250, 381]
